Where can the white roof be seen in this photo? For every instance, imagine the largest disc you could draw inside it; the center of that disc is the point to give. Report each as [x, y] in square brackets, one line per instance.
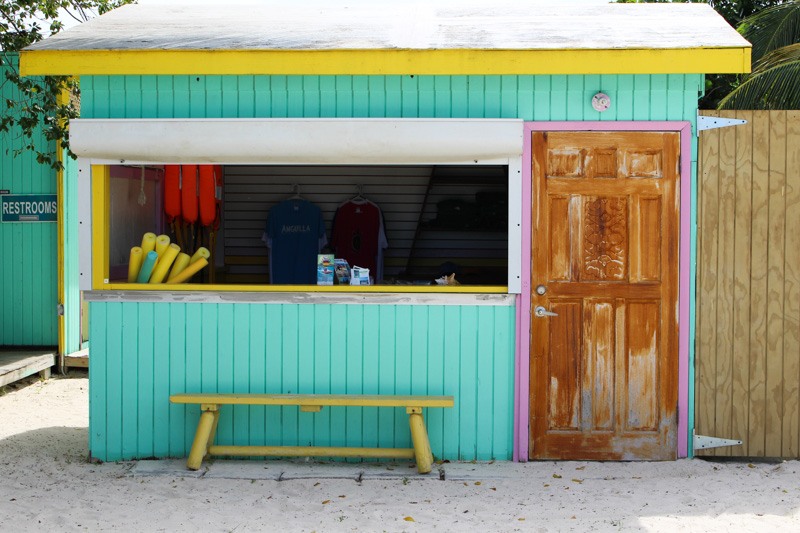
[395, 24]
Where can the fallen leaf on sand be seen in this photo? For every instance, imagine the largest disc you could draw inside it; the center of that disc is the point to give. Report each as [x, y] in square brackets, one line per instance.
[326, 502]
[577, 480]
[556, 476]
[342, 496]
[581, 467]
[409, 519]
[521, 519]
[477, 482]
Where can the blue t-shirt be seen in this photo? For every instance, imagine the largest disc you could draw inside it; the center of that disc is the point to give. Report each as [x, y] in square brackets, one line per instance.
[295, 233]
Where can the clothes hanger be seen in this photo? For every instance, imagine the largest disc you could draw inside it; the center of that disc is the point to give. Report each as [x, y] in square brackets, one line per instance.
[359, 197]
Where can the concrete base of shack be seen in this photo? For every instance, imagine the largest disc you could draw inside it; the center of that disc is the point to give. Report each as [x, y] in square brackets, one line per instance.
[21, 363]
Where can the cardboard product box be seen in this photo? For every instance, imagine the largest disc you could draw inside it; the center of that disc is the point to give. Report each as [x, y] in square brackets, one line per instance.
[325, 269]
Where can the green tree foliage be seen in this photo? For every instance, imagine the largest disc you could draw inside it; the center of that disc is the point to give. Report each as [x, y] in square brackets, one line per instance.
[719, 86]
[39, 101]
[775, 81]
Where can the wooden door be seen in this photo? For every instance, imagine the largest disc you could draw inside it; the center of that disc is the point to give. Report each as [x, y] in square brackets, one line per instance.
[605, 255]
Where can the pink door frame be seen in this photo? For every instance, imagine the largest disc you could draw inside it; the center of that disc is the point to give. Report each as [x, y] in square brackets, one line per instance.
[522, 375]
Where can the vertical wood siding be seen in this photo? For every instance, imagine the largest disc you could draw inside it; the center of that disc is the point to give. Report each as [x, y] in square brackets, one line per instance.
[143, 352]
[72, 293]
[28, 251]
[633, 97]
[748, 320]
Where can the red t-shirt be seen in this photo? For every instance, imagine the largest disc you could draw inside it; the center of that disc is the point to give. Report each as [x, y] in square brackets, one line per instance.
[356, 235]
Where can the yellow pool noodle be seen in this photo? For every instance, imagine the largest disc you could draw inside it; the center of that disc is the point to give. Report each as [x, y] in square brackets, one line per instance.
[164, 262]
[201, 252]
[162, 243]
[148, 243]
[190, 271]
[135, 263]
[180, 264]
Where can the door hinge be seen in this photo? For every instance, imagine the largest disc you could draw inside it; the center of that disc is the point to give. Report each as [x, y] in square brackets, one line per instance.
[60, 309]
[701, 442]
[704, 122]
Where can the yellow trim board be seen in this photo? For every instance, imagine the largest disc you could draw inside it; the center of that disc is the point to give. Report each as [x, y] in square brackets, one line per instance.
[385, 62]
[100, 224]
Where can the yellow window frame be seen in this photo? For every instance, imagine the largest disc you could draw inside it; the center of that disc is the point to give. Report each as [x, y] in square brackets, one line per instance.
[101, 219]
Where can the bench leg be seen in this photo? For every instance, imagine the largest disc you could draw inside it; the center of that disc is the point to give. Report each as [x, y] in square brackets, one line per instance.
[419, 437]
[213, 432]
[202, 436]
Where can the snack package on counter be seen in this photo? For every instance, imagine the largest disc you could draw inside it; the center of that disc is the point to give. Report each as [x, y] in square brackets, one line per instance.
[324, 269]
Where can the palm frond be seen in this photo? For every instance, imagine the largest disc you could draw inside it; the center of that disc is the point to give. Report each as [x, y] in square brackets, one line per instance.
[772, 28]
[774, 83]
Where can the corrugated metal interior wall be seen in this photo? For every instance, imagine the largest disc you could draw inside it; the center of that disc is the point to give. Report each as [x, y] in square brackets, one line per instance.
[28, 250]
[400, 191]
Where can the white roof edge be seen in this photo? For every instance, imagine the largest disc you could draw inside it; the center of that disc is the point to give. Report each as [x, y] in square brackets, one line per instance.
[399, 25]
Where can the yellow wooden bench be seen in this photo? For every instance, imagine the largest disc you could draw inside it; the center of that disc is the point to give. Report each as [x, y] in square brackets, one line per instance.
[203, 444]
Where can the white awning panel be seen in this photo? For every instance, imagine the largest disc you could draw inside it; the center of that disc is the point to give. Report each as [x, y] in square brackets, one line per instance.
[297, 141]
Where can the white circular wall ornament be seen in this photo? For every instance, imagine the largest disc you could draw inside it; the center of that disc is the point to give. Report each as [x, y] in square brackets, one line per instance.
[601, 102]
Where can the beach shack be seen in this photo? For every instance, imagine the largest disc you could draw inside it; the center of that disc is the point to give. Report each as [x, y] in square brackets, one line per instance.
[510, 186]
[39, 296]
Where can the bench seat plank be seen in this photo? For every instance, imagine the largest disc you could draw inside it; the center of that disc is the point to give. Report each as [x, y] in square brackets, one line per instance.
[348, 400]
[203, 444]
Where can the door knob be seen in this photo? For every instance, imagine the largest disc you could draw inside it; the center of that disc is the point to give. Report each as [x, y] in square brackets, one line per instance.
[541, 311]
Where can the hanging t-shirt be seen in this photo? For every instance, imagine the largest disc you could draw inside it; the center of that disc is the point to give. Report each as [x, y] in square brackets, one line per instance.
[358, 235]
[295, 234]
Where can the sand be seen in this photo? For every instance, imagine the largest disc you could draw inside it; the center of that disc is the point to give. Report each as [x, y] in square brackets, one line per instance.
[46, 484]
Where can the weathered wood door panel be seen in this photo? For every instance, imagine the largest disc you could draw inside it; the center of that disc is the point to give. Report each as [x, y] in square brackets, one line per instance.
[604, 348]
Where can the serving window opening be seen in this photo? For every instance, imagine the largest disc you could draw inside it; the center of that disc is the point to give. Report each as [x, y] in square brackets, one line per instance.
[427, 227]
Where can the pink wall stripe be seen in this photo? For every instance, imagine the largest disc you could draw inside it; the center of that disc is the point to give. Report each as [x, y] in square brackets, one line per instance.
[522, 381]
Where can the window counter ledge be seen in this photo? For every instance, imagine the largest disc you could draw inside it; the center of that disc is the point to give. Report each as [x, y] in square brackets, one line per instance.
[438, 296]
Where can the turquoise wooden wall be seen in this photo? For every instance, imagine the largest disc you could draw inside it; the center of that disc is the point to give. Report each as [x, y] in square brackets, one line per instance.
[143, 352]
[296, 348]
[634, 97]
[72, 292]
[28, 250]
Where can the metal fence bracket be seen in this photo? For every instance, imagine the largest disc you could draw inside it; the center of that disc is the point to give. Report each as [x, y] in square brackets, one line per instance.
[705, 122]
[701, 442]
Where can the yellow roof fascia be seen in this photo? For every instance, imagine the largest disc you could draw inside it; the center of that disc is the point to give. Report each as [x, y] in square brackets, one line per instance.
[385, 62]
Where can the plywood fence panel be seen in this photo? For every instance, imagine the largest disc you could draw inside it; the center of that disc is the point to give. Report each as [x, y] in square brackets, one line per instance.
[708, 227]
[791, 337]
[748, 285]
